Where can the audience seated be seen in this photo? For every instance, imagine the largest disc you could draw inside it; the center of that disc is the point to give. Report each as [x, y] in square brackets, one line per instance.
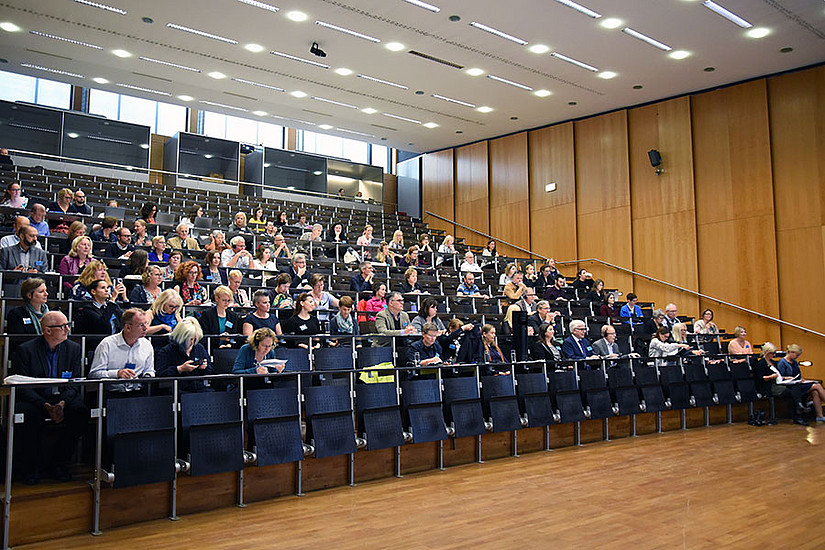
[175, 259]
[469, 263]
[79, 205]
[147, 212]
[363, 280]
[13, 196]
[261, 317]
[446, 250]
[158, 252]
[217, 242]
[76, 260]
[428, 313]
[576, 346]
[299, 274]
[182, 240]
[410, 284]
[492, 356]
[50, 355]
[282, 219]
[544, 280]
[788, 373]
[377, 302]
[27, 319]
[195, 211]
[411, 258]
[257, 220]
[314, 234]
[606, 346]
[489, 252]
[239, 295]
[283, 298]
[530, 278]
[149, 290]
[608, 307]
[211, 268]
[302, 322]
[461, 343]
[122, 247]
[106, 233]
[126, 355]
[324, 301]
[516, 287]
[597, 295]
[740, 346]
[468, 286]
[184, 356]
[219, 319]
[76, 229]
[670, 317]
[164, 313]
[705, 325]
[366, 238]
[93, 271]
[545, 348]
[632, 310]
[652, 326]
[543, 314]
[188, 274]
[13, 239]
[64, 201]
[661, 348]
[24, 256]
[237, 256]
[101, 315]
[37, 219]
[527, 301]
[263, 259]
[280, 248]
[556, 293]
[302, 221]
[135, 265]
[397, 242]
[583, 283]
[392, 321]
[259, 346]
[344, 322]
[426, 351]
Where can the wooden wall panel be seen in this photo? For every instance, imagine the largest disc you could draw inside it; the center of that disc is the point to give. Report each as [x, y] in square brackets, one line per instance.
[553, 215]
[509, 192]
[797, 119]
[437, 188]
[736, 239]
[603, 196]
[472, 187]
[662, 208]
[390, 193]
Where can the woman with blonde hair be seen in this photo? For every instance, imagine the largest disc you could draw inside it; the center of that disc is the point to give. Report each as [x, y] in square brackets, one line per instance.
[164, 312]
[384, 255]
[147, 292]
[93, 271]
[76, 229]
[76, 260]
[506, 277]
[366, 238]
[260, 346]
[397, 242]
[184, 355]
[740, 346]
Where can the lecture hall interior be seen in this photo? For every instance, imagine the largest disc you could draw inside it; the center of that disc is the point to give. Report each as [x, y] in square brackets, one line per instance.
[412, 273]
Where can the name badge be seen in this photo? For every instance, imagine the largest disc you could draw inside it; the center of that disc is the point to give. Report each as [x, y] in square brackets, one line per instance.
[129, 366]
[27, 321]
[66, 374]
[303, 327]
[589, 348]
[228, 324]
[38, 263]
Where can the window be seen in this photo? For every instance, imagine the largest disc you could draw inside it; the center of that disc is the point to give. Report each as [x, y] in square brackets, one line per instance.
[163, 118]
[18, 87]
[242, 129]
[380, 156]
[104, 103]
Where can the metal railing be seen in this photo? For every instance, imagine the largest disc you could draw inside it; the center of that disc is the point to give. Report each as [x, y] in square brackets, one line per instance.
[695, 293]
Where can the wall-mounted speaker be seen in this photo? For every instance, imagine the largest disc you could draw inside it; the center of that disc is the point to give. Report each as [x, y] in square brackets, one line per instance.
[655, 157]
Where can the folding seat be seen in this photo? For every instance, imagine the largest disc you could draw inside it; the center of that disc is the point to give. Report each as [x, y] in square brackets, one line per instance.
[274, 417]
[329, 420]
[647, 379]
[593, 385]
[699, 383]
[623, 389]
[297, 358]
[140, 434]
[564, 390]
[534, 399]
[213, 431]
[745, 384]
[379, 415]
[498, 395]
[368, 357]
[462, 405]
[722, 383]
[676, 388]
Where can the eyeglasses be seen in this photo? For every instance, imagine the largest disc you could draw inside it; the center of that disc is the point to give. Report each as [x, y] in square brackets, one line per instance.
[64, 326]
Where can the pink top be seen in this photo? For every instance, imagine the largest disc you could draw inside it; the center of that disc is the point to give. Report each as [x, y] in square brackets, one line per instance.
[71, 266]
[735, 348]
[375, 304]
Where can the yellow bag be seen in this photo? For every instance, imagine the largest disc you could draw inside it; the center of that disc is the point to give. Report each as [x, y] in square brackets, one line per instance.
[374, 376]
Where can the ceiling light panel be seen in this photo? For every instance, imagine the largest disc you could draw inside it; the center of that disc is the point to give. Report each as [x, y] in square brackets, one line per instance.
[430, 125]
[105, 7]
[394, 46]
[333, 102]
[296, 16]
[201, 33]
[301, 59]
[262, 5]
[50, 70]
[575, 62]
[254, 48]
[217, 75]
[510, 82]
[347, 31]
[381, 81]
[8, 26]
[369, 110]
[224, 106]
[142, 89]
[579, 8]
[258, 84]
[122, 53]
[645, 38]
[101, 80]
[727, 14]
[345, 130]
[425, 5]
[405, 119]
[169, 64]
[69, 40]
[451, 100]
[500, 34]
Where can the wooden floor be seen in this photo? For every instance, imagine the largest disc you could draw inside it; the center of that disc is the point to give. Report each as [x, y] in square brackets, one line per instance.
[729, 486]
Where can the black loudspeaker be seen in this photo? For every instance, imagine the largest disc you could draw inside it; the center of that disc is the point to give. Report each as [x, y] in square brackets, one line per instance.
[655, 157]
[520, 342]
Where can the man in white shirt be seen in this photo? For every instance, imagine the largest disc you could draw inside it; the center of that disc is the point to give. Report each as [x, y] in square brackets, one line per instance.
[469, 263]
[13, 239]
[237, 257]
[126, 355]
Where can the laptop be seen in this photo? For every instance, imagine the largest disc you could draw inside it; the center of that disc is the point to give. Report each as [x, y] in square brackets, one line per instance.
[115, 212]
[203, 223]
[162, 218]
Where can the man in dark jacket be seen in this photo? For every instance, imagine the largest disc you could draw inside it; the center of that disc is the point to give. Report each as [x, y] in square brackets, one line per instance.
[51, 355]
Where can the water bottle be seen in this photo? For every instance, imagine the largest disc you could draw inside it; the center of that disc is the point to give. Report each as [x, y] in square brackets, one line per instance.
[417, 359]
[513, 357]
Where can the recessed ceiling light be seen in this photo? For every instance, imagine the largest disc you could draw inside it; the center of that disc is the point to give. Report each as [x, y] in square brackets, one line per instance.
[217, 75]
[317, 173]
[637, 86]
[484, 109]
[645, 38]
[543, 93]
[500, 34]
[579, 8]
[73, 135]
[539, 48]
[301, 59]
[607, 75]
[298, 93]
[334, 102]
[50, 70]
[100, 80]
[611, 23]
[354, 132]
[144, 145]
[426, 6]
[571, 103]
[405, 119]
[575, 62]
[169, 64]
[254, 48]
[208, 156]
[259, 84]
[142, 89]
[345, 30]
[430, 125]
[474, 72]
[343, 71]
[204, 34]
[394, 46]
[122, 53]
[758, 32]
[185, 97]
[727, 14]
[709, 69]
[101, 6]
[369, 110]
[259, 113]
[679, 54]
[69, 40]
[786, 49]
[325, 126]
[224, 106]
[8, 26]
[296, 16]
[510, 82]
[262, 5]
[382, 81]
[451, 100]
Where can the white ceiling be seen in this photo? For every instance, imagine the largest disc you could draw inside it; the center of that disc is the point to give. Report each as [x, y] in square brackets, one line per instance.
[683, 24]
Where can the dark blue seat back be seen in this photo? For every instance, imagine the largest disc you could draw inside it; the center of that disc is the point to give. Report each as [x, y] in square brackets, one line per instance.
[223, 359]
[329, 411]
[497, 386]
[531, 383]
[368, 357]
[376, 396]
[198, 409]
[297, 358]
[271, 403]
[139, 414]
[275, 417]
[646, 375]
[460, 389]
[500, 403]
[338, 358]
[327, 400]
[420, 392]
[212, 424]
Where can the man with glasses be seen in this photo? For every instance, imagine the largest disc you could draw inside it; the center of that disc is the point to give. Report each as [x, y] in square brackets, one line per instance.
[126, 355]
[51, 355]
[392, 321]
[122, 248]
[237, 257]
[362, 281]
[576, 346]
[79, 205]
[37, 219]
[543, 314]
[299, 273]
[183, 240]
[25, 255]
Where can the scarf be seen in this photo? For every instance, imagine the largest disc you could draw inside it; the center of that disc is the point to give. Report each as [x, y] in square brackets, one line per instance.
[190, 293]
[344, 325]
[37, 315]
[488, 353]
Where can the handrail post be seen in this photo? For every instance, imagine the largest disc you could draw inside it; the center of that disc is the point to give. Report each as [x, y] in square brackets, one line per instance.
[9, 457]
